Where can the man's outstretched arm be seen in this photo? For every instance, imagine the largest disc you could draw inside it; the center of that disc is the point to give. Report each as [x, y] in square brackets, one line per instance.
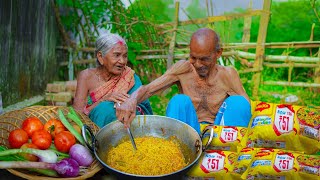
[126, 112]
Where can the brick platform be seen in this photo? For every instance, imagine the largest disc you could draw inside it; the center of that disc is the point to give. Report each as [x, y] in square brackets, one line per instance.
[60, 93]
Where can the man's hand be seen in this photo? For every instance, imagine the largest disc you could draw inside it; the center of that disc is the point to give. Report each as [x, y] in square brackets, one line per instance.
[126, 111]
[116, 97]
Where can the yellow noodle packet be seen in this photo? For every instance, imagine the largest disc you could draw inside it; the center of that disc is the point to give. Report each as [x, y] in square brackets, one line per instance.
[243, 160]
[309, 133]
[309, 166]
[226, 138]
[253, 105]
[278, 126]
[214, 164]
[282, 164]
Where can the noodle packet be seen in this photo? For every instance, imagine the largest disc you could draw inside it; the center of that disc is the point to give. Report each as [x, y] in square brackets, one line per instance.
[243, 160]
[225, 138]
[281, 164]
[309, 166]
[280, 126]
[253, 105]
[213, 164]
[309, 121]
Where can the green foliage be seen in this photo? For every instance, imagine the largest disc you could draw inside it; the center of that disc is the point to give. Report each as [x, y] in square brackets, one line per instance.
[159, 102]
[195, 11]
[153, 11]
[134, 48]
[290, 21]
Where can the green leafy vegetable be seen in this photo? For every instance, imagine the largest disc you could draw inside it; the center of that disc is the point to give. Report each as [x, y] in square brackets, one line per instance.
[70, 127]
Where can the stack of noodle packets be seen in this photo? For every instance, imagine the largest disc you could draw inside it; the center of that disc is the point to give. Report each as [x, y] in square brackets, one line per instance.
[215, 164]
[226, 138]
[217, 161]
[282, 164]
[276, 145]
[284, 126]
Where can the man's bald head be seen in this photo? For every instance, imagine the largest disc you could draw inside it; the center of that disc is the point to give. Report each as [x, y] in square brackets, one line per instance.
[206, 38]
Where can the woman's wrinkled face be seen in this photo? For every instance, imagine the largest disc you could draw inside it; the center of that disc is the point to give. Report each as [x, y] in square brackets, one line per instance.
[116, 59]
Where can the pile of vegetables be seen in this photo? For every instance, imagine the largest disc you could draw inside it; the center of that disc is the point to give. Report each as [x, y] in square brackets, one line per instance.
[55, 148]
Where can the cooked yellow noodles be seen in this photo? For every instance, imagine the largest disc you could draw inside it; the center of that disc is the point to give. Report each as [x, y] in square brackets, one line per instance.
[155, 156]
[309, 116]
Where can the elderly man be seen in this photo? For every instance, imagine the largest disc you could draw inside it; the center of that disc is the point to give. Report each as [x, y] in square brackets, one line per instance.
[211, 94]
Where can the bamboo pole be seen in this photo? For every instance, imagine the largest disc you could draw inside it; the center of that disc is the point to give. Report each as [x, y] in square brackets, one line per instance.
[279, 58]
[80, 61]
[173, 39]
[213, 19]
[311, 36]
[295, 84]
[309, 62]
[246, 35]
[176, 56]
[275, 45]
[160, 56]
[294, 65]
[226, 54]
[249, 70]
[272, 45]
[317, 69]
[246, 31]
[264, 21]
[290, 71]
[83, 49]
[247, 27]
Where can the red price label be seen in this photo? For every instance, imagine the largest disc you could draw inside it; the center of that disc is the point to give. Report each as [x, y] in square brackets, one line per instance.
[283, 120]
[283, 162]
[228, 135]
[212, 162]
[284, 123]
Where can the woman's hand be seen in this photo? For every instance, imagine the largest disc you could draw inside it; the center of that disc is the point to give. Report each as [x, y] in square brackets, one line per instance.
[126, 111]
[117, 97]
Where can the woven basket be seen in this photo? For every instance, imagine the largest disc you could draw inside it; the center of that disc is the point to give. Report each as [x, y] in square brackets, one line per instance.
[13, 120]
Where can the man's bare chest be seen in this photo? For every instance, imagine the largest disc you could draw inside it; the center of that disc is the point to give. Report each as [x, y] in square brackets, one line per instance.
[208, 95]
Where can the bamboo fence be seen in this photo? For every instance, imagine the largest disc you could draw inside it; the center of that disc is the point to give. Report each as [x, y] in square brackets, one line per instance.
[252, 62]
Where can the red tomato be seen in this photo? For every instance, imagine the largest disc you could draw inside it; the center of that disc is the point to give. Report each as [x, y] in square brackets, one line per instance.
[27, 156]
[32, 124]
[64, 140]
[54, 126]
[42, 139]
[17, 138]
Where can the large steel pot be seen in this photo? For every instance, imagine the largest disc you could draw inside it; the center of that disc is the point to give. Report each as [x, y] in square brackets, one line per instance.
[146, 125]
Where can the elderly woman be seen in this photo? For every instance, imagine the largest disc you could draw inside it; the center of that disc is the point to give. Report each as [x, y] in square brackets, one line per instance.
[102, 88]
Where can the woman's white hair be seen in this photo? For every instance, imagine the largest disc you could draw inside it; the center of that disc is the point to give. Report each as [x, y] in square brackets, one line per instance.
[106, 42]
